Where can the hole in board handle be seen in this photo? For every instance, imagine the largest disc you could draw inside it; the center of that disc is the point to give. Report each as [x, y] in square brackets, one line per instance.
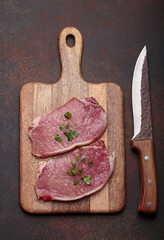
[70, 40]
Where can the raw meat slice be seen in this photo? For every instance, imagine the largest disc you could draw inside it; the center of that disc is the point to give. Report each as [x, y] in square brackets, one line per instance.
[74, 176]
[76, 123]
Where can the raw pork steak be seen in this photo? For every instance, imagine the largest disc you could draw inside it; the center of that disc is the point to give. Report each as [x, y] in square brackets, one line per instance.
[76, 123]
[74, 176]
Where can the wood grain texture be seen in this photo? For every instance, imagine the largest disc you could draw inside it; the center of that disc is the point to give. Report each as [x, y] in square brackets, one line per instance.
[148, 199]
[39, 99]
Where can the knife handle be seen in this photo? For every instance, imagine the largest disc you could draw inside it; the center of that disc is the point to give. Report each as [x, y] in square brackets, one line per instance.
[148, 199]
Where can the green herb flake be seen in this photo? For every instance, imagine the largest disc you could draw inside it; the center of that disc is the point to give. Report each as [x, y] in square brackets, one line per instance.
[81, 148]
[76, 133]
[83, 160]
[90, 163]
[69, 136]
[80, 171]
[87, 180]
[76, 158]
[74, 163]
[67, 126]
[67, 115]
[75, 124]
[57, 138]
[75, 182]
[66, 155]
[62, 127]
[72, 172]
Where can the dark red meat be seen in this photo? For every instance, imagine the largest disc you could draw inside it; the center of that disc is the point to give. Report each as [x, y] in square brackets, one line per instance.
[55, 182]
[88, 122]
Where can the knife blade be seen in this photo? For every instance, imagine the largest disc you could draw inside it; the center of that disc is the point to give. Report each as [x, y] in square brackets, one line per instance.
[142, 140]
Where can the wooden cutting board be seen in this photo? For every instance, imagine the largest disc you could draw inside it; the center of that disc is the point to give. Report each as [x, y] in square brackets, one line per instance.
[39, 99]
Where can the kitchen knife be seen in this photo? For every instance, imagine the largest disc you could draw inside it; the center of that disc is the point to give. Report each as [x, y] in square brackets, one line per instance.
[142, 141]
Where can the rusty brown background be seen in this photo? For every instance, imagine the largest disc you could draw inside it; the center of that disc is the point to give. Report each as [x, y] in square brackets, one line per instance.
[114, 32]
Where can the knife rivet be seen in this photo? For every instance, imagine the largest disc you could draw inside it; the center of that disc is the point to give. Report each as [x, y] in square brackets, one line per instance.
[150, 181]
[146, 158]
[149, 204]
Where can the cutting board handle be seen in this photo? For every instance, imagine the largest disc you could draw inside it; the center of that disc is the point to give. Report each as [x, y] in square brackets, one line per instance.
[70, 56]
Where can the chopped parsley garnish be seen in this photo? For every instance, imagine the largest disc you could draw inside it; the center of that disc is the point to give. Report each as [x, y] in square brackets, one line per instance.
[81, 148]
[80, 171]
[75, 182]
[57, 138]
[76, 158]
[67, 126]
[67, 115]
[66, 155]
[76, 133]
[66, 133]
[83, 160]
[87, 180]
[90, 163]
[75, 124]
[62, 127]
[69, 136]
[74, 163]
[72, 172]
